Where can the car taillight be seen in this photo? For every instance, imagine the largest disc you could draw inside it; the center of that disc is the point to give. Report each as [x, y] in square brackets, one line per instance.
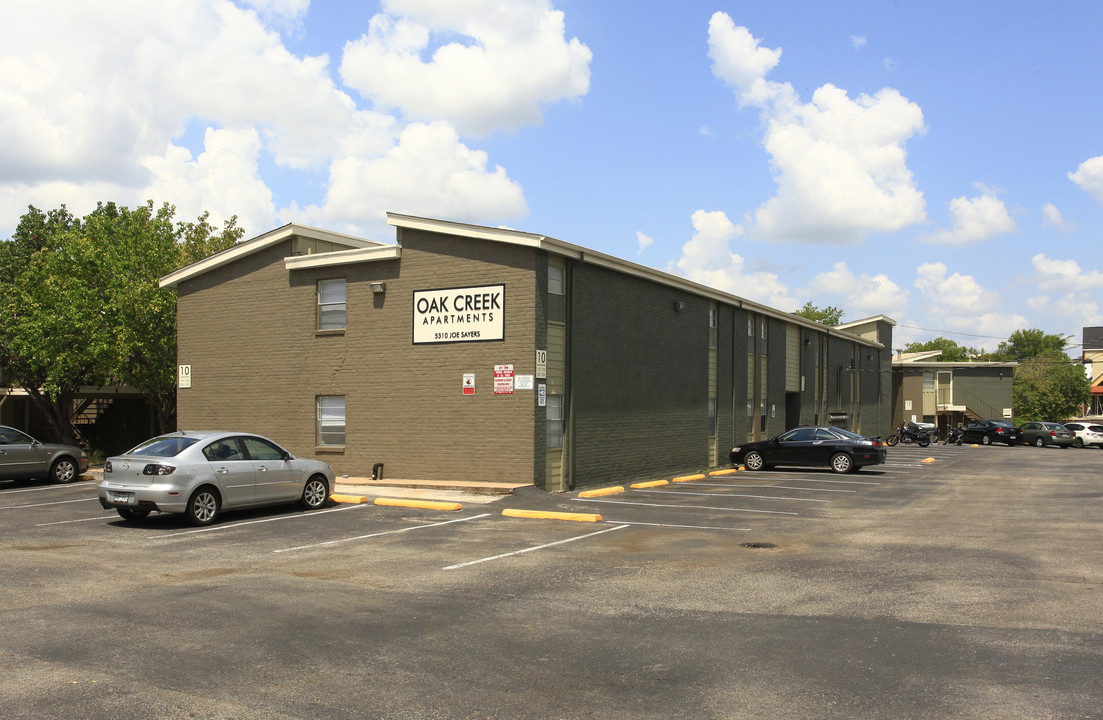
[107, 466]
[1053, 433]
[155, 469]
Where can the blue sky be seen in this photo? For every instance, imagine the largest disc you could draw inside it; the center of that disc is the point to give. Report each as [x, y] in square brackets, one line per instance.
[937, 162]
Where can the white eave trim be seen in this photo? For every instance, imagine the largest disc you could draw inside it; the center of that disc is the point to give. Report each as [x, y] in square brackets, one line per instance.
[260, 242]
[343, 257]
[558, 247]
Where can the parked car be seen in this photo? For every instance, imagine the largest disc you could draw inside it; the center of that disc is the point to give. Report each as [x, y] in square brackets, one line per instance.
[817, 446]
[202, 473]
[987, 432]
[1086, 435]
[23, 457]
[1047, 433]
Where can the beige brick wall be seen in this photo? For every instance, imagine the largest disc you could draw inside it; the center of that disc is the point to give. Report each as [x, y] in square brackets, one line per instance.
[248, 331]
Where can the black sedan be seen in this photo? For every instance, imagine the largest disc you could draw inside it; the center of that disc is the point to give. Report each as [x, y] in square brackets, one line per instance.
[987, 432]
[819, 446]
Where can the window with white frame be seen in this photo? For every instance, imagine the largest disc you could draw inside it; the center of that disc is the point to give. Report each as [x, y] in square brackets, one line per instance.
[331, 420]
[712, 417]
[555, 421]
[713, 322]
[331, 304]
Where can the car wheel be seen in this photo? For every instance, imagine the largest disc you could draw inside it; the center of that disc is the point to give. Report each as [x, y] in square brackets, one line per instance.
[986, 440]
[1078, 442]
[132, 514]
[842, 463]
[1039, 442]
[315, 493]
[753, 461]
[202, 506]
[63, 470]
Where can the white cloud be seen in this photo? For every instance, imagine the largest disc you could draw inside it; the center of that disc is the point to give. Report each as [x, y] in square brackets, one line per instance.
[1053, 217]
[194, 102]
[428, 172]
[644, 241]
[861, 295]
[858, 41]
[973, 220]
[953, 294]
[707, 258]
[839, 163]
[515, 59]
[1089, 176]
[1063, 275]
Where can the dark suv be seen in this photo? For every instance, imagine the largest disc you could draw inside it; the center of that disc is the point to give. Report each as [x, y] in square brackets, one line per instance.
[987, 432]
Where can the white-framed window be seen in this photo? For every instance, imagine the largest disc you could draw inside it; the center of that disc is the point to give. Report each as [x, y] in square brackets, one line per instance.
[712, 417]
[713, 322]
[764, 343]
[555, 421]
[331, 420]
[331, 304]
[555, 281]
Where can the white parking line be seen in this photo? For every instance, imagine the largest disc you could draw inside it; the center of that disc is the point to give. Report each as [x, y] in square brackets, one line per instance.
[740, 495]
[673, 525]
[47, 487]
[538, 547]
[679, 507]
[59, 502]
[380, 534]
[101, 518]
[764, 487]
[231, 526]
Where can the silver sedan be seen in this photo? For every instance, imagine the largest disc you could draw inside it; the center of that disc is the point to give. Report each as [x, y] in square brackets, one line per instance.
[201, 473]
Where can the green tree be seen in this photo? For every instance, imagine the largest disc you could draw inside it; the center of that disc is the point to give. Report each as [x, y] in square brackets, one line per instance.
[80, 303]
[1032, 343]
[829, 315]
[951, 351]
[1049, 387]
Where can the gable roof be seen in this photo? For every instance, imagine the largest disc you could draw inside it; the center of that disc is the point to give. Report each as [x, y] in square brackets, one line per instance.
[261, 242]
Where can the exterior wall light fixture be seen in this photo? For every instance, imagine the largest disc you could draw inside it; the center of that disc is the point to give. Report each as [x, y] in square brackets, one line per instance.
[679, 306]
[378, 287]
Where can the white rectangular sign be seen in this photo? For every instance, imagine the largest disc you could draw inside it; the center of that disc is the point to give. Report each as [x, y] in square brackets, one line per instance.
[185, 376]
[523, 382]
[470, 314]
[503, 379]
[542, 364]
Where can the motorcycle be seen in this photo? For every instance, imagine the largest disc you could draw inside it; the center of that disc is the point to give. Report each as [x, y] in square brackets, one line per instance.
[909, 433]
[954, 435]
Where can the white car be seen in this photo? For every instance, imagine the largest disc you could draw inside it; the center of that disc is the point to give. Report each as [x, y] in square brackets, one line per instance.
[199, 474]
[1086, 435]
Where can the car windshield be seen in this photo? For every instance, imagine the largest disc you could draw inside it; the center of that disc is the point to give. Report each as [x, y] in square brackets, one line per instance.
[164, 446]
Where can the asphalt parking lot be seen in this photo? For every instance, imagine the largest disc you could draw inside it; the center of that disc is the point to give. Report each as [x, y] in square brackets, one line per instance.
[951, 582]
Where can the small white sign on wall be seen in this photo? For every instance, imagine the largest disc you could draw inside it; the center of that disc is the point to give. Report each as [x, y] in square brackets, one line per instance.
[523, 382]
[184, 376]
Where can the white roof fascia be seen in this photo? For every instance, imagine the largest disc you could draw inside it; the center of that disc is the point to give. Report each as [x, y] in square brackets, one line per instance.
[343, 257]
[627, 267]
[258, 243]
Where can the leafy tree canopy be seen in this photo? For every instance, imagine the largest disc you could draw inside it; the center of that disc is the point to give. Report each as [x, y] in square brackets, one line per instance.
[951, 351]
[829, 315]
[1024, 344]
[1049, 387]
[80, 302]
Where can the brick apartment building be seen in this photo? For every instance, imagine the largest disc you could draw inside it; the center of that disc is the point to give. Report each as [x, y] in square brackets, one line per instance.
[464, 352]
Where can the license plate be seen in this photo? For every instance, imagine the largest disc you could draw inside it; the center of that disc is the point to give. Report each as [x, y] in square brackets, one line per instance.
[124, 498]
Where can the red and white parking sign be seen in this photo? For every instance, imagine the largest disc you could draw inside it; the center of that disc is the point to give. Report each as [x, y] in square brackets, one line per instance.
[503, 379]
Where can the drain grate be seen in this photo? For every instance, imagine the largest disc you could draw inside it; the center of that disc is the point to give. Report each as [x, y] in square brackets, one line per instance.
[759, 545]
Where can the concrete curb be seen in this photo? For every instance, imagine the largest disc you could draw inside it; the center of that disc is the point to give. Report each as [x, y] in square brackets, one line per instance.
[688, 478]
[601, 491]
[650, 484]
[343, 498]
[423, 504]
[544, 515]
